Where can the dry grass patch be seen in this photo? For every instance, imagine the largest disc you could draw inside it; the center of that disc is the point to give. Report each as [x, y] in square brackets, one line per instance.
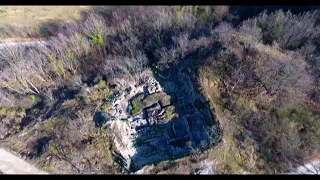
[35, 15]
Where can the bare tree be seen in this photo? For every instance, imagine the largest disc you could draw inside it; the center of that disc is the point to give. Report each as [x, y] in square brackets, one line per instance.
[7, 98]
[237, 77]
[25, 71]
[250, 29]
[182, 43]
[79, 45]
[95, 27]
[226, 33]
[58, 150]
[289, 30]
[282, 73]
[119, 66]
[83, 125]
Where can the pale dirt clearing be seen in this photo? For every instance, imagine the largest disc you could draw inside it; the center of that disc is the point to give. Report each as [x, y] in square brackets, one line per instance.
[11, 164]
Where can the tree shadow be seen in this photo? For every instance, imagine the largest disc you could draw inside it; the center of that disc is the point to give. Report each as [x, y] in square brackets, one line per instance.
[32, 113]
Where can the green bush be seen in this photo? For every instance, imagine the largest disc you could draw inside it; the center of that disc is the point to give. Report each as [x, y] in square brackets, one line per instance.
[170, 112]
[51, 125]
[56, 66]
[34, 99]
[152, 99]
[195, 9]
[97, 38]
[106, 106]
[3, 111]
[69, 54]
[100, 91]
[15, 84]
[85, 100]
[180, 10]
[301, 116]
[136, 105]
[106, 93]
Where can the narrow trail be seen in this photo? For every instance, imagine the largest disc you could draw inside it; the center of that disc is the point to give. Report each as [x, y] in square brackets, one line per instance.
[23, 44]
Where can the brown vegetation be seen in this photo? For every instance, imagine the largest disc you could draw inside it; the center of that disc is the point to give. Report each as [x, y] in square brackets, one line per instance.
[261, 78]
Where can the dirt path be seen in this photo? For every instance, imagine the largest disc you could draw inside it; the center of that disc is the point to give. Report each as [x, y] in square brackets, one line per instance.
[21, 44]
[11, 164]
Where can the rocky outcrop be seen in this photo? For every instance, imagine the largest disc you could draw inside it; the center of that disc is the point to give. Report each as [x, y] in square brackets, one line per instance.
[167, 122]
[152, 85]
[122, 138]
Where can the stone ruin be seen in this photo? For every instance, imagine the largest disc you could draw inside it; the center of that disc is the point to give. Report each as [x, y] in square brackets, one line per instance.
[157, 133]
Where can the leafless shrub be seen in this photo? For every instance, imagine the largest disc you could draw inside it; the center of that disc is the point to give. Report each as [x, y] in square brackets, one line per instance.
[82, 126]
[250, 29]
[95, 25]
[121, 66]
[283, 73]
[19, 75]
[187, 19]
[79, 45]
[167, 56]
[289, 30]
[49, 97]
[220, 12]
[226, 33]
[182, 43]
[4, 129]
[63, 54]
[308, 48]
[6, 98]
[236, 78]
[163, 18]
